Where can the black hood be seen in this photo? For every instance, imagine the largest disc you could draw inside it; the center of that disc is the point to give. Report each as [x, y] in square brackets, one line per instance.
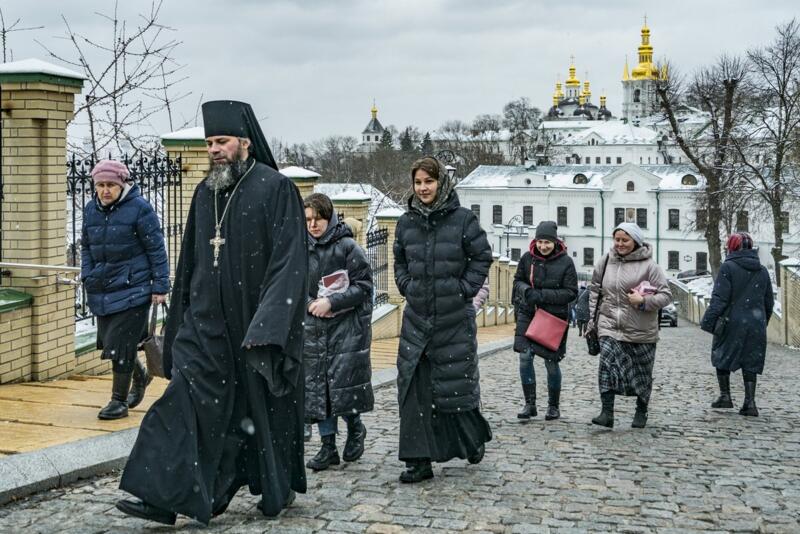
[746, 259]
[336, 230]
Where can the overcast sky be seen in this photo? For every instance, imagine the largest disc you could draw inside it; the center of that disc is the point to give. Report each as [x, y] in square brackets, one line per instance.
[312, 68]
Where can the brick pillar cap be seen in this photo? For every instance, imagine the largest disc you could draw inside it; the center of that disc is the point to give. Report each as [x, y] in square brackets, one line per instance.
[36, 70]
[390, 213]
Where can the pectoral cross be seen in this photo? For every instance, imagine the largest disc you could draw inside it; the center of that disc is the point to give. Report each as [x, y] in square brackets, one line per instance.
[217, 242]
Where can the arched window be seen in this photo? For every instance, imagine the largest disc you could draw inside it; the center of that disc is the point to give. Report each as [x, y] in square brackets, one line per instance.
[630, 186]
[689, 179]
[580, 179]
[636, 95]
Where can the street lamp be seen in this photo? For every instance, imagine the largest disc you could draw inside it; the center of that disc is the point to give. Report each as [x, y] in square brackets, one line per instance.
[517, 230]
[449, 159]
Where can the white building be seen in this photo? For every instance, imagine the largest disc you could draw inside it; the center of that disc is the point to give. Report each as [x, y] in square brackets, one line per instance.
[371, 136]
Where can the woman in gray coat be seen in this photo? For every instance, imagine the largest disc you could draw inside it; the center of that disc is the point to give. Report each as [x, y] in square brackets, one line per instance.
[627, 321]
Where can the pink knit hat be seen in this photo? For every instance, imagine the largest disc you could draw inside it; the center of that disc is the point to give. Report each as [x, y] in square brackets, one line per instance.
[108, 170]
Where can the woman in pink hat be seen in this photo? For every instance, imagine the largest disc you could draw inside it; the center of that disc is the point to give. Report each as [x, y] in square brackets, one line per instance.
[124, 268]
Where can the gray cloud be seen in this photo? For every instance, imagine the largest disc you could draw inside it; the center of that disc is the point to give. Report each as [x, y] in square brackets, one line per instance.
[313, 67]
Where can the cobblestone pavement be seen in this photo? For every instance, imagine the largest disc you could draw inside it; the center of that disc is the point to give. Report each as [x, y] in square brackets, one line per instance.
[691, 469]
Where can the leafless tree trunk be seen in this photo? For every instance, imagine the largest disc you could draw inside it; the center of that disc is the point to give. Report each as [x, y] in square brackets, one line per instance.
[11, 28]
[717, 91]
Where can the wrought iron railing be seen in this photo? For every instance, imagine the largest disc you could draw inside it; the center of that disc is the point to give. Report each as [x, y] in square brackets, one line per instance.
[378, 255]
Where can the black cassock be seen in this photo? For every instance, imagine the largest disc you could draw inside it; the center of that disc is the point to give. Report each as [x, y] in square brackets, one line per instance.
[231, 416]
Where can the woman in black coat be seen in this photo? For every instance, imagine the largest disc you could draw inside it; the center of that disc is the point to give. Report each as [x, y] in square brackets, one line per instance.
[742, 300]
[442, 258]
[546, 280]
[338, 333]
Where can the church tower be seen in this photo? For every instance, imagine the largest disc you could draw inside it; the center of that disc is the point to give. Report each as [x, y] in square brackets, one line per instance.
[639, 86]
[371, 136]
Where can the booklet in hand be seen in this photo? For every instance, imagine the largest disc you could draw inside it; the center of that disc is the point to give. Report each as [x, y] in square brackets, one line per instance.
[644, 288]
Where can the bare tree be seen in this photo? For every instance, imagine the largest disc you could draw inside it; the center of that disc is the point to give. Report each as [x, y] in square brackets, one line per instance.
[11, 28]
[521, 119]
[717, 90]
[132, 82]
[771, 129]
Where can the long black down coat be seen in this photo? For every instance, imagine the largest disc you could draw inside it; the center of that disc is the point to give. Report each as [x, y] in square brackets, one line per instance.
[336, 350]
[555, 285]
[441, 261]
[743, 280]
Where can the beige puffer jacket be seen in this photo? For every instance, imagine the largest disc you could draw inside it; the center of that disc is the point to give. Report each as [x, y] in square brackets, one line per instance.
[617, 317]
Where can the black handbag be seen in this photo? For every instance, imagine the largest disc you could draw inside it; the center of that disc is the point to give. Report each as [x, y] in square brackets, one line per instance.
[721, 324]
[592, 339]
[153, 345]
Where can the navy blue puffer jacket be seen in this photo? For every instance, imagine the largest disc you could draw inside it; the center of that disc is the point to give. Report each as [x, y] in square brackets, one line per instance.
[123, 259]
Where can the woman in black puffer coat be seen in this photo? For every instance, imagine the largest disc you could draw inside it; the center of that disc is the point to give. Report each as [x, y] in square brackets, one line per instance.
[338, 333]
[545, 279]
[442, 258]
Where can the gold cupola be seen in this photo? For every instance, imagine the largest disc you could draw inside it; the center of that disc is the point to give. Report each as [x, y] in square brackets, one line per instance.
[646, 69]
[558, 95]
[586, 93]
[573, 81]
[374, 110]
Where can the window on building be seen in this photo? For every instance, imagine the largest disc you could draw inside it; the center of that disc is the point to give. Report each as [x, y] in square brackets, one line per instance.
[588, 256]
[648, 160]
[619, 160]
[497, 214]
[608, 160]
[587, 160]
[597, 160]
[701, 220]
[580, 179]
[630, 186]
[673, 260]
[640, 160]
[476, 209]
[689, 179]
[742, 222]
[637, 95]
[619, 216]
[527, 215]
[641, 217]
[561, 216]
[674, 220]
[515, 254]
[701, 261]
[567, 159]
[588, 216]
[785, 221]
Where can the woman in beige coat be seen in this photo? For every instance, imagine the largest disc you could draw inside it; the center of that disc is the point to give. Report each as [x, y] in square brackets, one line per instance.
[627, 321]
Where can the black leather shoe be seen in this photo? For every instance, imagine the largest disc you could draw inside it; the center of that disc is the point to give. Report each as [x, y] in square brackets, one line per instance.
[118, 407]
[605, 419]
[724, 400]
[749, 407]
[289, 500]
[327, 455]
[478, 456]
[354, 446]
[529, 393]
[148, 512]
[141, 379]
[553, 401]
[639, 419]
[416, 472]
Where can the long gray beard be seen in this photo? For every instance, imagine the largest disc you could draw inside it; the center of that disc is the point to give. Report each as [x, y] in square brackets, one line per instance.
[223, 175]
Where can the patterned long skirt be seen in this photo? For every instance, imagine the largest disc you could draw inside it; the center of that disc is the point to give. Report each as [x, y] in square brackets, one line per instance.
[626, 368]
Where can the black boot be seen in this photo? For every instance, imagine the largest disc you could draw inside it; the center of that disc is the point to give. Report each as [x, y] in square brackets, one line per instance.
[354, 446]
[553, 397]
[606, 417]
[417, 471]
[749, 406]
[327, 455]
[640, 417]
[478, 456]
[118, 407]
[142, 510]
[141, 379]
[529, 392]
[724, 400]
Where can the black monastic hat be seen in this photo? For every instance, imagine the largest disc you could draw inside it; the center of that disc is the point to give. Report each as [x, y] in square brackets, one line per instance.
[229, 117]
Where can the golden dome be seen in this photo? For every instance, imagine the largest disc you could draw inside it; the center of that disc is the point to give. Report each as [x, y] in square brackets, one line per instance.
[572, 81]
[374, 111]
[645, 70]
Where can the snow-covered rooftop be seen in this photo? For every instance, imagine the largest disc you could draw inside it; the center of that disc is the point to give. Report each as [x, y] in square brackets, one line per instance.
[617, 133]
[563, 176]
[380, 201]
[37, 66]
[298, 172]
[567, 125]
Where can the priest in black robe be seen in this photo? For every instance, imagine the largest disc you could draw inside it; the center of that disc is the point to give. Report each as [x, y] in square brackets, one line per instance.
[232, 414]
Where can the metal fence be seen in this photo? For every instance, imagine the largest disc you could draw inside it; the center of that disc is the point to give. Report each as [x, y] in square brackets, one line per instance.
[378, 255]
[160, 181]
